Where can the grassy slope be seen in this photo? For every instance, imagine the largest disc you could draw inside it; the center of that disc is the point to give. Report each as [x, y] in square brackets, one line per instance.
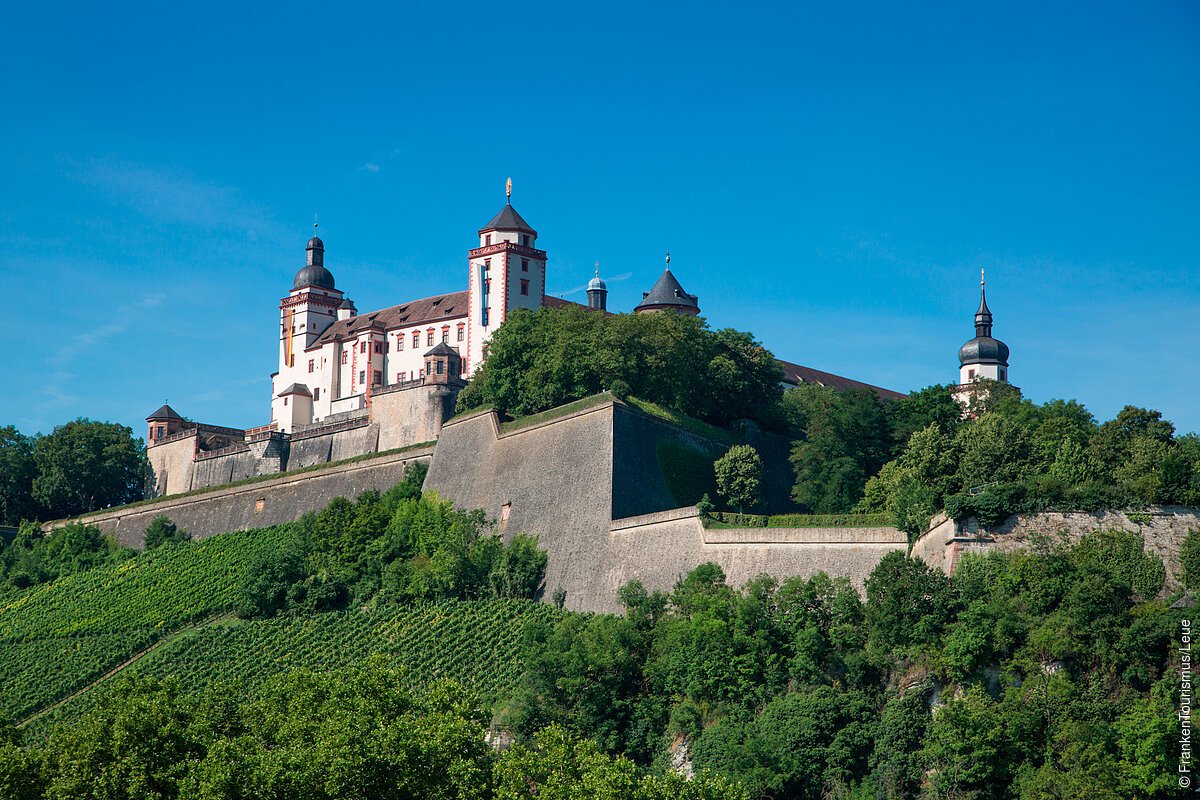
[59, 637]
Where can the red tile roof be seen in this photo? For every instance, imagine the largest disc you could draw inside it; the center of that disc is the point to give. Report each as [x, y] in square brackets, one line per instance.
[796, 374]
[417, 312]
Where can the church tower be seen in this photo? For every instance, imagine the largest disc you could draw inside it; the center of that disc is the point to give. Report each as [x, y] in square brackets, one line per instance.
[507, 272]
[983, 357]
[597, 292]
[306, 312]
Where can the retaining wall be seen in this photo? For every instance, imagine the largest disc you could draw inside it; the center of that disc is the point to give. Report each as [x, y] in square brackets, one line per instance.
[259, 504]
[1163, 530]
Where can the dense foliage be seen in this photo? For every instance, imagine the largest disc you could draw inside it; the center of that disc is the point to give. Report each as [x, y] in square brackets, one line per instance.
[34, 557]
[395, 546]
[80, 466]
[739, 476]
[539, 360]
[914, 456]
[351, 733]
[1047, 669]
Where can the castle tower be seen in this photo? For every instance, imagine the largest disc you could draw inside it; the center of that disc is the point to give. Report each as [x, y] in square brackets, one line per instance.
[667, 294]
[597, 292]
[983, 356]
[310, 308]
[507, 272]
[163, 423]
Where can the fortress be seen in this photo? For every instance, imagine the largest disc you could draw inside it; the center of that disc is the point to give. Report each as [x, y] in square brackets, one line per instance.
[594, 481]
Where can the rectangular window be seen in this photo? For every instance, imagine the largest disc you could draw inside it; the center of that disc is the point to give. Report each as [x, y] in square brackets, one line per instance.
[524, 265]
[970, 374]
[311, 365]
[400, 342]
[461, 332]
[403, 376]
[439, 366]
[487, 240]
[524, 240]
[362, 376]
[446, 333]
[379, 347]
[345, 356]
[362, 347]
[416, 339]
[316, 394]
[1003, 375]
[524, 287]
[429, 338]
[377, 378]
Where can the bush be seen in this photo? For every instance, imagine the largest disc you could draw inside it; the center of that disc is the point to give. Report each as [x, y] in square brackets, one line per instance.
[163, 531]
[739, 476]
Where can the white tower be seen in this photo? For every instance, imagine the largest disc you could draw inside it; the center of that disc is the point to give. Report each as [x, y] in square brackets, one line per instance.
[983, 356]
[304, 314]
[507, 272]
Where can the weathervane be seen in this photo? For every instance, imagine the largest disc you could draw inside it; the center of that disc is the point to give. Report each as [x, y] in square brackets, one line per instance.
[508, 189]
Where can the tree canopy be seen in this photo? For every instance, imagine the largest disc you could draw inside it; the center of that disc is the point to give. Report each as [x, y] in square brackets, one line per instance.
[541, 359]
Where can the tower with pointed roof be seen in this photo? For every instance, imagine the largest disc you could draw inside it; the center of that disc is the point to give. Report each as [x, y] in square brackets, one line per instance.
[309, 308]
[983, 356]
[507, 272]
[597, 292]
[667, 294]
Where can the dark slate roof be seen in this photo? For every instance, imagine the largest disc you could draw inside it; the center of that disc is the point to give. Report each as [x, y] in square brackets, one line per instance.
[667, 292]
[418, 312]
[296, 388]
[983, 350]
[313, 275]
[164, 412]
[348, 303]
[441, 349]
[796, 375]
[508, 220]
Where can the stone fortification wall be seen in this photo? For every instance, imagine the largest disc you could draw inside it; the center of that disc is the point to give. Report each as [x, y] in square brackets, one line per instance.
[412, 413]
[659, 549]
[171, 465]
[1163, 530]
[564, 480]
[553, 480]
[256, 505]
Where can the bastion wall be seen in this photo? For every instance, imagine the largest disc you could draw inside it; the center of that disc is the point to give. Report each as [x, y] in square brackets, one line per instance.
[1162, 529]
[256, 505]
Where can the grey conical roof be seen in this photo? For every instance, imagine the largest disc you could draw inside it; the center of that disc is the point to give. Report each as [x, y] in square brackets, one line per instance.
[164, 412]
[508, 220]
[667, 293]
[442, 349]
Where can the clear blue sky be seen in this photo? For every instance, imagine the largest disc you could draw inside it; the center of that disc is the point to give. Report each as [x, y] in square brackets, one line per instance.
[829, 176]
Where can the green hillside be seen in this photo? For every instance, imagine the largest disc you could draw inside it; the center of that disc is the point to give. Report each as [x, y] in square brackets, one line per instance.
[59, 637]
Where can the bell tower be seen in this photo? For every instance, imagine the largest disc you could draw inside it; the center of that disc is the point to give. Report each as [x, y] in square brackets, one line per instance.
[507, 272]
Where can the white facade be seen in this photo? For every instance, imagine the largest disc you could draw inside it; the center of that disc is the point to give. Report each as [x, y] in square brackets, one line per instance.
[337, 356]
[969, 373]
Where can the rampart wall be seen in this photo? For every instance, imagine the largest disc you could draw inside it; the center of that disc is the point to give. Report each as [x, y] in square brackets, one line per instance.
[1163, 530]
[258, 504]
[590, 485]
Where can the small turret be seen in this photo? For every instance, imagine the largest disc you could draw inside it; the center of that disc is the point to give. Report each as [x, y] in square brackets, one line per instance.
[667, 294]
[347, 309]
[597, 292]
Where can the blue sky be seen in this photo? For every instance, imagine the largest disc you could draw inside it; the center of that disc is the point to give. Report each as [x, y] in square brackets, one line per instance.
[829, 176]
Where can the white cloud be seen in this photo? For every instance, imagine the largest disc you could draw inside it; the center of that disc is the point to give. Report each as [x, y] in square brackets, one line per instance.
[370, 167]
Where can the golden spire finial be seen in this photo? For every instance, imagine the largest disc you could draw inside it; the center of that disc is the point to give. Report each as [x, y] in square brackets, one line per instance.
[668, 258]
[508, 189]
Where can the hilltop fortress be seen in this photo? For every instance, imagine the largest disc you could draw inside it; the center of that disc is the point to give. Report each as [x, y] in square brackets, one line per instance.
[357, 397]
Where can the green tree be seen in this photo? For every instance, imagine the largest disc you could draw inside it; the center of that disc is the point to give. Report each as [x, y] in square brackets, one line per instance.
[739, 475]
[966, 749]
[539, 360]
[846, 438]
[163, 531]
[1189, 559]
[17, 470]
[85, 465]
